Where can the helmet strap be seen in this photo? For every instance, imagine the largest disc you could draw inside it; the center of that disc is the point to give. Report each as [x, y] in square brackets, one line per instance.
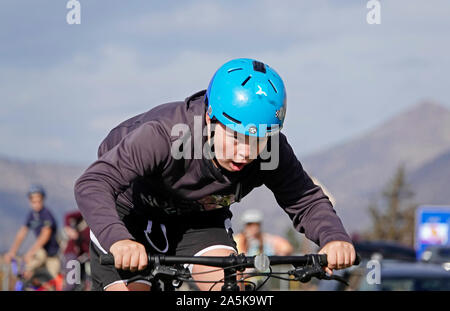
[214, 122]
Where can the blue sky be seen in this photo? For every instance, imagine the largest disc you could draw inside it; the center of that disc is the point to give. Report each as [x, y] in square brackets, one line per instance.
[63, 87]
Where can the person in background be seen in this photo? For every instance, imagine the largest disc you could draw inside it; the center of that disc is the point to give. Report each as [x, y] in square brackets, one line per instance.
[252, 241]
[44, 251]
[77, 247]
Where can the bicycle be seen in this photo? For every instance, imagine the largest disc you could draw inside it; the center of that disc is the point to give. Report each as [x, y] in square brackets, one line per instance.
[166, 273]
[41, 280]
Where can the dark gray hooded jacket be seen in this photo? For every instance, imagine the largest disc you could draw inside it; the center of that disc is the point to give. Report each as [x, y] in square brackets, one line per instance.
[136, 170]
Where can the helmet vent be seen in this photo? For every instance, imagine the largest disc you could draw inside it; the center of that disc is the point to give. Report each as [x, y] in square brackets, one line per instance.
[233, 69]
[258, 66]
[246, 80]
[231, 118]
[274, 88]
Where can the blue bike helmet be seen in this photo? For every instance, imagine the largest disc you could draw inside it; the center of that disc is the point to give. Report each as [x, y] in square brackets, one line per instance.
[36, 189]
[247, 96]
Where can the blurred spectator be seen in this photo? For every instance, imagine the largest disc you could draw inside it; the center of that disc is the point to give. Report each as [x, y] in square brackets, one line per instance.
[45, 249]
[252, 241]
[77, 247]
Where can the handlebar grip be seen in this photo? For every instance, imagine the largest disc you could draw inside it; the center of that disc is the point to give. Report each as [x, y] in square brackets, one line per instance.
[323, 261]
[107, 259]
[357, 260]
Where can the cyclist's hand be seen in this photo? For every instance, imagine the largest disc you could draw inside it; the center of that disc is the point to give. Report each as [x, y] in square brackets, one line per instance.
[340, 255]
[129, 255]
[71, 233]
[8, 257]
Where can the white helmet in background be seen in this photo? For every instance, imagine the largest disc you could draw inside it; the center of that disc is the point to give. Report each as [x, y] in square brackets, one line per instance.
[252, 216]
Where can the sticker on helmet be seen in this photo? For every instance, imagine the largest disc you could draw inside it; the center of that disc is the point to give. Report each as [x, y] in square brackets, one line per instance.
[260, 91]
[280, 113]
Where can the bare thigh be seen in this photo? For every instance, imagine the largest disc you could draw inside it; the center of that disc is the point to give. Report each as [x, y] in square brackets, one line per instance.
[211, 276]
[130, 287]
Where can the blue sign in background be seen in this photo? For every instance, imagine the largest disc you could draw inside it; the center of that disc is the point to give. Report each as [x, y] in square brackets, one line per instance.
[426, 215]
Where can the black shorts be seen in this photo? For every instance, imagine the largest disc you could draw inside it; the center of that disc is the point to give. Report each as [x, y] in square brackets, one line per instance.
[180, 235]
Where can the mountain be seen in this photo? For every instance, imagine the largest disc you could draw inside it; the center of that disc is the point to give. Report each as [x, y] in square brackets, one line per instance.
[357, 170]
[431, 181]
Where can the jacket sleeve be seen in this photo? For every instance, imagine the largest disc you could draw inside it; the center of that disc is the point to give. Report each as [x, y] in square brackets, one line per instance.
[140, 152]
[305, 203]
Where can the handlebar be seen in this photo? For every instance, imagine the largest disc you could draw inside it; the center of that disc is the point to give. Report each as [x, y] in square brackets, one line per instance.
[240, 260]
[305, 267]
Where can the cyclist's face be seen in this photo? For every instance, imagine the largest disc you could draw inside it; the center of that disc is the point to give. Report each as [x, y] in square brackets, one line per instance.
[252, 229]
[234, 150]
[36, 201]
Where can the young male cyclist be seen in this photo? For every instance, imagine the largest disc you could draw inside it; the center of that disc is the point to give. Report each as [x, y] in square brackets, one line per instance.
[165, 179]
[44, 251]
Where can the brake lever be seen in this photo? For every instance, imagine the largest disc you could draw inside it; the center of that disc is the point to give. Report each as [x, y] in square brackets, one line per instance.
[168, 272]
[333, 277]
[304, 274]
[161, 272]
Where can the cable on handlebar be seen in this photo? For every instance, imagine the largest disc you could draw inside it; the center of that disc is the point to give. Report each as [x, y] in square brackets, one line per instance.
[265, 281]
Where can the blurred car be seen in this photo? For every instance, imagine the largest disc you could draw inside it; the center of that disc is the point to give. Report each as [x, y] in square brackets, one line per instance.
[394, 276]
[385, 250]
[437, 254]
